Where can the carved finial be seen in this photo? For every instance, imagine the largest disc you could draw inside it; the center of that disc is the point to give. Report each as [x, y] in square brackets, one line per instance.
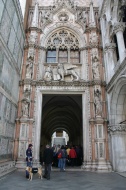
[92, 22]
[35, 15]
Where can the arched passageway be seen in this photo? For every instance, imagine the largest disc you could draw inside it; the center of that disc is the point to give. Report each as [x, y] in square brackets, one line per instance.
[62, 112]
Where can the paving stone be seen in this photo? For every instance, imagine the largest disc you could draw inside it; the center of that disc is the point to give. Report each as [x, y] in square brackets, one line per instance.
[69, 180]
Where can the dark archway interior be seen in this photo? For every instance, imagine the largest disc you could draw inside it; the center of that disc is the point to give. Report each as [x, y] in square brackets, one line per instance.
[62, 112]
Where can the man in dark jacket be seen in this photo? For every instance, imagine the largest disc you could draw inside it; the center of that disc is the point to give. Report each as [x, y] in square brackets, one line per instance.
[47, 161]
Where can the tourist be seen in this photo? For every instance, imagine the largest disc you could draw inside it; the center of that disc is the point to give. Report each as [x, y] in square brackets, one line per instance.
[47, 161]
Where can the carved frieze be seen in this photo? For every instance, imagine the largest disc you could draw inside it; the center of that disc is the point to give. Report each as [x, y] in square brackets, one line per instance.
[117, 128]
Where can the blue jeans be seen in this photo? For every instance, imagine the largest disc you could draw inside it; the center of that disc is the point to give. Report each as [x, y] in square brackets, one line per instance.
[62, 163]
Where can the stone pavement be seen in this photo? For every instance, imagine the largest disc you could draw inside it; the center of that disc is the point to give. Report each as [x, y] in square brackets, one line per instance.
[68, 180]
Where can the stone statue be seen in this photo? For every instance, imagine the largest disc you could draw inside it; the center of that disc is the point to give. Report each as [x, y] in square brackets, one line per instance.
[97, 103]
[56, 75]
[93, 38]
[25, 108]
[29, 69]
[31, 53]
[69, 71]
[95, 68]
[26, 93]
[48, 73]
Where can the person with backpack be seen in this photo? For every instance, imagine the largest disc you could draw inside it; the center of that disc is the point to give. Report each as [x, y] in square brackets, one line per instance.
[62, 155]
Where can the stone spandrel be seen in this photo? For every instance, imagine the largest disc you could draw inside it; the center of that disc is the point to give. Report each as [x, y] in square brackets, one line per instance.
[77, 2]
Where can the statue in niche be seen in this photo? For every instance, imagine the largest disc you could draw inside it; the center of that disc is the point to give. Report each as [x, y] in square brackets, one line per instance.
[25, 108]
[31, 53]
[69, 71]
[95, 67]
[26, 93]
[48, 73]
[29, 69]
[93, 38]
[97, 102]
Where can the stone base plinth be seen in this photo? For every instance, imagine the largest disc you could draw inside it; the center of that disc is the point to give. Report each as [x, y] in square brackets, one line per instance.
[97, 166]
[7, 167]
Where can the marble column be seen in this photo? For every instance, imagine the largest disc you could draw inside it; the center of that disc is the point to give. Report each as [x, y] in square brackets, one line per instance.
[118, 29]
[37, 126]
[110, 59]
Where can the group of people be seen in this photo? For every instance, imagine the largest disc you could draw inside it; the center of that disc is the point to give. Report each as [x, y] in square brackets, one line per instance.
[57, 156]
[70, 156]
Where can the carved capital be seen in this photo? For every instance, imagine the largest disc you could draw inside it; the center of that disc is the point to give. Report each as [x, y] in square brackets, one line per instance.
[120, 26]
[110, 46]
[117, 128]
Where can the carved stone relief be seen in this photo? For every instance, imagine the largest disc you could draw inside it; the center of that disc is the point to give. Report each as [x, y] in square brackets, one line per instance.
[93, 39]
[95, 68]
[97, 102]
[31, 52]
[25, 108]
[63, 17]
[32, 37]
[29, 69]
[59, 72]
[27, 91]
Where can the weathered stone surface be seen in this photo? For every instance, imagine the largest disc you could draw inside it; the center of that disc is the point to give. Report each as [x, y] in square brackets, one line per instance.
[11, 40]
[15, 22]
[5, 26]
[1, 9]
[10, 8]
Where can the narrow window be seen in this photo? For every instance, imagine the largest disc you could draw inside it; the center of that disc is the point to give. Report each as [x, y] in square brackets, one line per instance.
[51, 56]
[74, 56]
[63, 56]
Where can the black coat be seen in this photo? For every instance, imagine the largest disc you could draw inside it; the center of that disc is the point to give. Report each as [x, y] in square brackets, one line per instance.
[48, 156]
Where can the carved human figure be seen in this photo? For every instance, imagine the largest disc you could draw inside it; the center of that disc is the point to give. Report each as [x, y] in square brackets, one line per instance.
[25, 108]
[93, 38]
[48, 73]
[56, 75]
[31, 53]
[95, 67]
[29, 69]
[26, 93]
[97, 102]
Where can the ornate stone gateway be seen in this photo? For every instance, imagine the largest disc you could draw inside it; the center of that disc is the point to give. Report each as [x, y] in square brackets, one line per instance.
[63, 56]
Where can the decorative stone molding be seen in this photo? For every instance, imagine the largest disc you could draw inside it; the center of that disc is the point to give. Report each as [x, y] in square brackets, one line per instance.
[109, 46]
[63, 17]
[117, 128]
[7, 167]
[120, 26]
[63, 39]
